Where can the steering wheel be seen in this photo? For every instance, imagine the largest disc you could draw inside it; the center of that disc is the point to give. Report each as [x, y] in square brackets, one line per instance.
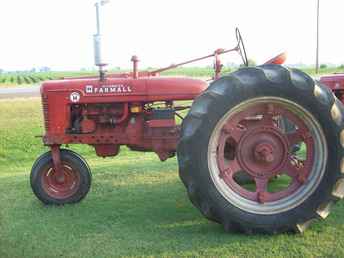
[241, 47]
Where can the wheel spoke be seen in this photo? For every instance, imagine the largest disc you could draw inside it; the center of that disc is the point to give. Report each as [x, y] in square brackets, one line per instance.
[268, 115]
[268, 120]
[294, 138]
[261, 188]
[234, 132]
[295, 169]
[230, 169]
[291, 171]
[256, 143]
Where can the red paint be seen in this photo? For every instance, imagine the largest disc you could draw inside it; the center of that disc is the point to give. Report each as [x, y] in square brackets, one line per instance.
[56, 96]
[264, 152]
[56, 157]
[279, 59]
[60, 186]
[161, 123]
[260, 148]
[106, 150]
[334, 81]
[117, 110]
[217, 52]
[105, 117]
[88, 126]
[141, 90]
[260, 144]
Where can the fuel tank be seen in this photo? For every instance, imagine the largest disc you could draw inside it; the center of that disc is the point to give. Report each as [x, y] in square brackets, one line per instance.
[146, 89]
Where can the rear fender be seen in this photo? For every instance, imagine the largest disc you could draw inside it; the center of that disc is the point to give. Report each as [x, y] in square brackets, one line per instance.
[279, 59]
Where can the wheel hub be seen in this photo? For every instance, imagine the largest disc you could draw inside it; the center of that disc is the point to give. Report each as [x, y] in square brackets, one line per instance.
[61, 186]
[262, 151]
[60, 179]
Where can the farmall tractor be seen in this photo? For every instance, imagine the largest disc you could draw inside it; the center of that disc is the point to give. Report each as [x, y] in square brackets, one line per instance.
[244, 132]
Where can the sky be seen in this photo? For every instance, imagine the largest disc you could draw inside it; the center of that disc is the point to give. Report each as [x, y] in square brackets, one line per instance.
[58, 33]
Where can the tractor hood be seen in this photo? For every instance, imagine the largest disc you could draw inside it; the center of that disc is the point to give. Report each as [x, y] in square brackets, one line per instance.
[125, 89]
[333, 81]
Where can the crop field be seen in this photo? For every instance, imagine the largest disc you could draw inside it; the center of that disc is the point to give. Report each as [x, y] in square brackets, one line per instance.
[17, 79]
[21, 78]
[137, 207]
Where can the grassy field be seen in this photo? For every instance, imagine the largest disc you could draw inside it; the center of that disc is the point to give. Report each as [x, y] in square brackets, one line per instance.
[137, 207]
[17, 79]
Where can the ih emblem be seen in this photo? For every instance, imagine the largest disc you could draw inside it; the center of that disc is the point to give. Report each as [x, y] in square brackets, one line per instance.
[74, 97]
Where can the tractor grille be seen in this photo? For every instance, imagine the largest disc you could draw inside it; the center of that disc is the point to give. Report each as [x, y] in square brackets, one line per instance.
[45, 112]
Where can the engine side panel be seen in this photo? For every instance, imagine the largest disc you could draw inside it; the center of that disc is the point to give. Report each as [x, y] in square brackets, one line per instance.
[127, 90]
[113, 113]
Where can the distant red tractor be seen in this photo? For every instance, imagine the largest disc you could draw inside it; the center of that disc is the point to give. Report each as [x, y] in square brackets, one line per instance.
[236, 128]
[336, 83]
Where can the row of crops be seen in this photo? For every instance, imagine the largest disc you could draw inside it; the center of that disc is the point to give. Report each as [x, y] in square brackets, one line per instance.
[26, 78]
[20, 79]
[11, 79]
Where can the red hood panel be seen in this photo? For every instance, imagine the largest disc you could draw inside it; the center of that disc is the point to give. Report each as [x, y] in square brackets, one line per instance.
[127, 89]
[171, 88]
[333, 81]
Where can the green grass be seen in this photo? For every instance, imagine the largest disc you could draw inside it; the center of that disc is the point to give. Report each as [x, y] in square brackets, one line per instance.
[137, 207]
[17, 79]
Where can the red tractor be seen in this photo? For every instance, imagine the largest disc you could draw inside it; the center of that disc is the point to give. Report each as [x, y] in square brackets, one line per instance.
[236, 128]
[336, 83]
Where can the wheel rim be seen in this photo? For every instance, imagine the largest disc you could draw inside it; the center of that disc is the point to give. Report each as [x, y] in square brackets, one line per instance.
[249, 140]
[61, 187]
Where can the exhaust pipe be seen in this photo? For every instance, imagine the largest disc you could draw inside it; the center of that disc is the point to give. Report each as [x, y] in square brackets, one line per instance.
[97, 41]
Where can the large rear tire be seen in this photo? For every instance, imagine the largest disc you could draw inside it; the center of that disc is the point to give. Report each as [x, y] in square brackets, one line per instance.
[233, 127]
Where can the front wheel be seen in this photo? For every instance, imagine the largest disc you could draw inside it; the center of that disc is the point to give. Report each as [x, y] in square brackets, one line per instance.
[72, 187]
[233, 128]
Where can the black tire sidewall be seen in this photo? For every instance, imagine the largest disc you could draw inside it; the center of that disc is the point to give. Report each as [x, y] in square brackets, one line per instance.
[77, 164]
[200, 174]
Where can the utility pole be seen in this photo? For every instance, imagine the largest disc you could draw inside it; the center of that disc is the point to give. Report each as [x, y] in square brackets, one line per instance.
[317, 48]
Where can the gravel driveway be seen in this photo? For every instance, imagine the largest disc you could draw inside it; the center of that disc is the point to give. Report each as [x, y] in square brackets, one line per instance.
[19, 92]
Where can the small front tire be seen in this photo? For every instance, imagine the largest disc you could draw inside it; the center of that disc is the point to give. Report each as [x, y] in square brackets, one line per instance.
[51, 190]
